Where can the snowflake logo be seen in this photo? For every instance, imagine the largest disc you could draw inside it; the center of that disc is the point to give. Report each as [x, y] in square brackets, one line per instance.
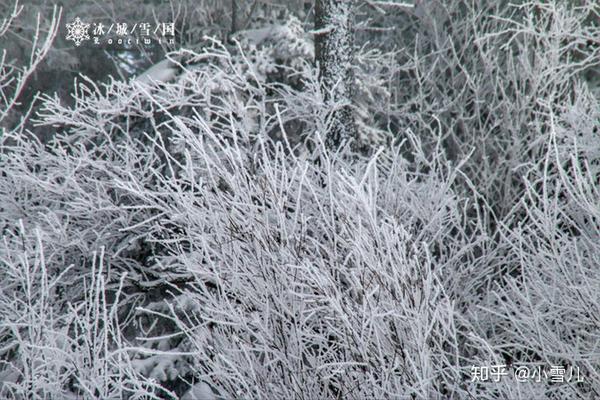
[78, 31]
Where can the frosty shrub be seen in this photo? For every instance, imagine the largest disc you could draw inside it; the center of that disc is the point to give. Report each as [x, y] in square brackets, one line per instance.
[543, 310]
[479, 72]
[197, 238]
[165, 238]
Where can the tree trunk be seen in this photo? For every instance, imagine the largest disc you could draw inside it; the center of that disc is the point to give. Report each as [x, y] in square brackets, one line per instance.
[234, 17]
[334, 50]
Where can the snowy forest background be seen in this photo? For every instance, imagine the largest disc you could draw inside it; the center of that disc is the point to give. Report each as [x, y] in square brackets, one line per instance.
[421, 202]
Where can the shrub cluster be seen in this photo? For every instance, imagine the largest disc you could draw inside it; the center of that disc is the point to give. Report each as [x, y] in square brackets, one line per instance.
[196, 238]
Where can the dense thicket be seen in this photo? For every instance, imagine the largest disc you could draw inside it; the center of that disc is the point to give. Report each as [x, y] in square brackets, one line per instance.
[198, 239]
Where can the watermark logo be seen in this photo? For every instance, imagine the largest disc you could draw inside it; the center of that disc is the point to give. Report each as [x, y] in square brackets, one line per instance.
[121, 33]
[525, 373]
[78, 31]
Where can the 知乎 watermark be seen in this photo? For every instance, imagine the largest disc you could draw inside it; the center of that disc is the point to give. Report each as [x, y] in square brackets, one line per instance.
[526, 373]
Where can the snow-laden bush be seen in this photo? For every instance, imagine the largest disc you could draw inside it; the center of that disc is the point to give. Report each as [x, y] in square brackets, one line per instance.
[55, 346]
[479, 73]
[543, 311]
[165, 238]
[197, 234]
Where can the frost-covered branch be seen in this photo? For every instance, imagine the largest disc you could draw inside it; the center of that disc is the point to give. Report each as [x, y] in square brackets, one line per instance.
[13, 77]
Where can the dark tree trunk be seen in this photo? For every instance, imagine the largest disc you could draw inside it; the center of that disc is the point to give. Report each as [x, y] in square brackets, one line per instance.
[334, 50]
[234, 17]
